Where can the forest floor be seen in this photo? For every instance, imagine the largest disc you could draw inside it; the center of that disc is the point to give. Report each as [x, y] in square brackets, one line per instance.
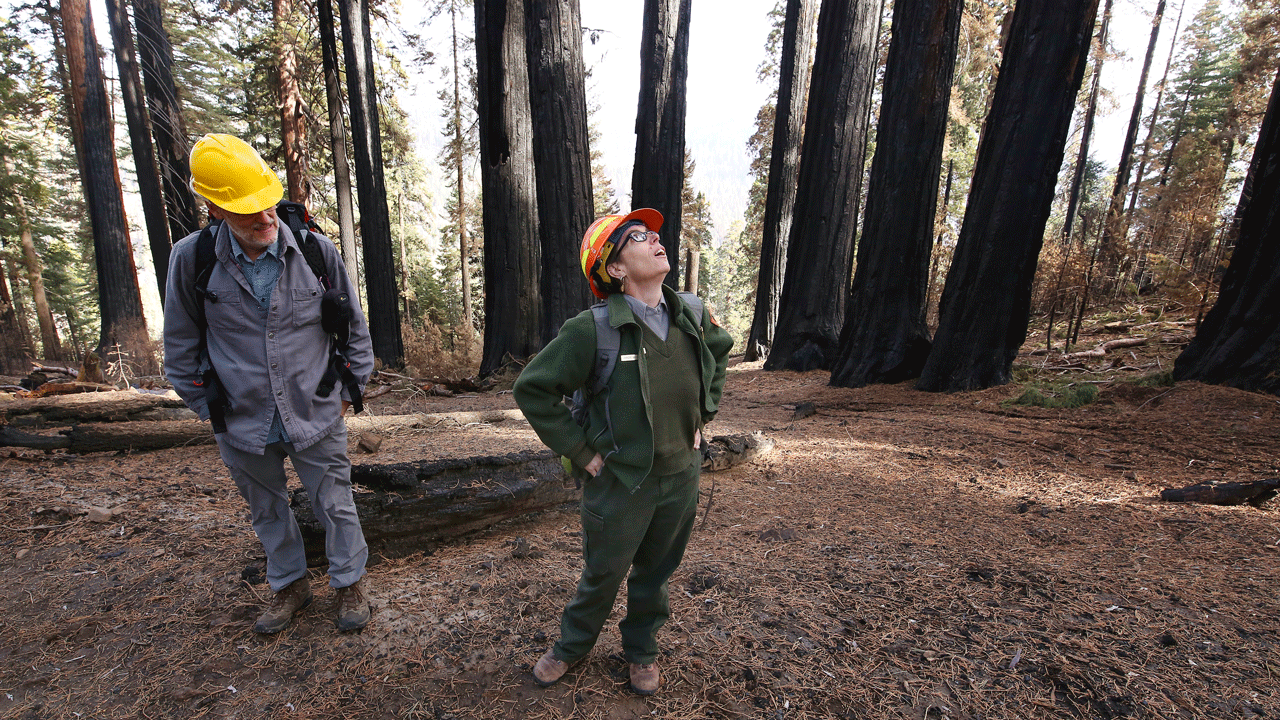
[899, 554]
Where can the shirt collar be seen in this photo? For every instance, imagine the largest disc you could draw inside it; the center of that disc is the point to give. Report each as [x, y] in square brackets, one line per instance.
[273, 250]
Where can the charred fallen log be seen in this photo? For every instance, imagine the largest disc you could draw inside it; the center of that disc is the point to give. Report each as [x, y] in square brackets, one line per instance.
[408, 507]
[111, 406]
[112, 437]
[1254, 493]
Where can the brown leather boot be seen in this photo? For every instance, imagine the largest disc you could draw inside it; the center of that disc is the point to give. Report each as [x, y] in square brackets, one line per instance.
[549, 669]
[291, 599]
[645, 678]
[353, 607]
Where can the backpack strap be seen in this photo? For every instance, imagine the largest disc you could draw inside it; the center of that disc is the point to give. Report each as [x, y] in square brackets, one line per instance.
[694, 302]
[299, 221]
[608, 342]
[206, 257]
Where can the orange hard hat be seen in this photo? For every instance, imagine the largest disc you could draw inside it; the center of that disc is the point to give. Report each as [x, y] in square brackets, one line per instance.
[598, 244]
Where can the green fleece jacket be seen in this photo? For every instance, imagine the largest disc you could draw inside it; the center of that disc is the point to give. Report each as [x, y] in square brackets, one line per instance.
[619, 421]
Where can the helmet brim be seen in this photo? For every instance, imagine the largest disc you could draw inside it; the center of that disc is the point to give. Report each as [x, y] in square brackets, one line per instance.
[256, 202]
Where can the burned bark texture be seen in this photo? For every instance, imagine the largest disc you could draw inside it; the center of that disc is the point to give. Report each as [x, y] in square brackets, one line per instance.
[167, 125]
[657, 177]
[1253, 493]
[512, 300]
[562, 155]
[1238, 344]
[120, 302]
[986, 301]
[820, 245]
[885, 337]
[381, 289]
[784, 161]
[144, 157]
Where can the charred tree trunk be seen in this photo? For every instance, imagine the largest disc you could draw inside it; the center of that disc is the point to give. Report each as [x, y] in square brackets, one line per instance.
[885, 337]
[512, 301]
[123, 325]
[293, 112]
[784, 160]
[820, 245]
[338, 139]
[144, 159]
[561, 153]
[657, 178]
[167, 125]
[1238, 344]
[383, 309]
[1115, 229]
[987, 298]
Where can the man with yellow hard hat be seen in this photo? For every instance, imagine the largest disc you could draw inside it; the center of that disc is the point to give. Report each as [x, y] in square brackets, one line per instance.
[261, 323]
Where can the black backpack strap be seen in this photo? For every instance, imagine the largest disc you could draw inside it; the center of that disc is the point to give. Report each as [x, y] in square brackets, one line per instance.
[299, 221]
[206, 258]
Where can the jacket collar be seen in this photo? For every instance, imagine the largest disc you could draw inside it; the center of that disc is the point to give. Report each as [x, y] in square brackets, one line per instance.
[620, 312]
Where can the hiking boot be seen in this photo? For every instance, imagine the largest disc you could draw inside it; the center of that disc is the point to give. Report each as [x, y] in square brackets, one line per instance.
[549, 669]
[353, 607]
[289, 601]
[645, 678]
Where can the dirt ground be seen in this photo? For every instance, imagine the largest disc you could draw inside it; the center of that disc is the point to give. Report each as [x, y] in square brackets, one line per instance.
[898, 555]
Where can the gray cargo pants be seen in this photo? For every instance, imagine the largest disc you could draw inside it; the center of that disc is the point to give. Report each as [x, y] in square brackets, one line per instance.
[325, 471]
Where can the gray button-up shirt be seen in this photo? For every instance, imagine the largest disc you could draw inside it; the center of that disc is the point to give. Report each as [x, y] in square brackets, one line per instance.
[262, 275]
[657, 318]
[264, 363]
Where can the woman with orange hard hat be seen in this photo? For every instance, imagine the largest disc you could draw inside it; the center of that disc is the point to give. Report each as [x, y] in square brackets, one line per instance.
[636, 440]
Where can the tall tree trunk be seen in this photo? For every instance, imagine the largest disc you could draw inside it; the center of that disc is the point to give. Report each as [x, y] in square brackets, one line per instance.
[784, 160]
[1155, 115]
[19, 310]
[512, 302]
[123, 325]
[338, 140]
[885, 337]
[52, 348]
[293, 112]
[464, 243]
[15, 342]
[144, 159]
[657, 177]
[987, 298]
[1086, 135]
[1115, 229]
[383, 308]
[561, 153]
[821, 241]
[167, 124]
[1238, 344]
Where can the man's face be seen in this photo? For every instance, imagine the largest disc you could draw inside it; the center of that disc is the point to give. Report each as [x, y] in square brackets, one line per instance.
[255, 231]
[642, 254]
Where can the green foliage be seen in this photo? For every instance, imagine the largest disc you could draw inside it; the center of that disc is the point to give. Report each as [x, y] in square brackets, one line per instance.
[1158, 379]
[1070, 395]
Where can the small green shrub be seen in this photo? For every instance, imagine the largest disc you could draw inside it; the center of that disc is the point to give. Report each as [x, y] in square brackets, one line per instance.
[1072, 395]
[1159, 379]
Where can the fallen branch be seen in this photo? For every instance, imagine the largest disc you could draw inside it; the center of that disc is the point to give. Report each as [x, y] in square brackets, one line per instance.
[1254, 493]
[1101, 350]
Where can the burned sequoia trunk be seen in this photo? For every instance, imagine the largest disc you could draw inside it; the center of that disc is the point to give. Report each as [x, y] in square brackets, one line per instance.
[1238, 344]
[885, 338]
[986, 302]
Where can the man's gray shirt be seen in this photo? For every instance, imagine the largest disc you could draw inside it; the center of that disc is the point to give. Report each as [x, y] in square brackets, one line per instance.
[263, 362]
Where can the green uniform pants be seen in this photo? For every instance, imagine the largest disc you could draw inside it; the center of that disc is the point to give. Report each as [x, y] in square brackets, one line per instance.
[645, 531]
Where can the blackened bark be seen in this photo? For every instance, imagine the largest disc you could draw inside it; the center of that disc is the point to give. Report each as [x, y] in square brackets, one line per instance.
[1238, 344]
[338, 138]
[657, 177]
[167, 124]
[119, 300]
[784, 160]
[1115, 229]
[562, 155]
[380, 284]
[144, 159]
[986, 301]
[820, 244]
[293, 112]
[885, 336]
[512, 301]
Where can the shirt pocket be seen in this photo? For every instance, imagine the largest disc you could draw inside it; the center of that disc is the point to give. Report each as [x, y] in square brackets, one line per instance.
[306, 306]
[226, 312]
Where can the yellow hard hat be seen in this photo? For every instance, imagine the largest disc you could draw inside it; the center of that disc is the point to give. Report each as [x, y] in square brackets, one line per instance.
[598, 245]
[230, 174]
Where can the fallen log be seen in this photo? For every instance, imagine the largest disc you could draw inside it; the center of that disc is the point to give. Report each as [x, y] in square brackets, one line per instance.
[1254, 493]
[1102, 350]
[134, 436]
[110, 406]
[408, 507]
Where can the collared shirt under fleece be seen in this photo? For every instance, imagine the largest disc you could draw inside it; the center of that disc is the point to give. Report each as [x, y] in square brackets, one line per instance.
[266, 363]
[617, 427]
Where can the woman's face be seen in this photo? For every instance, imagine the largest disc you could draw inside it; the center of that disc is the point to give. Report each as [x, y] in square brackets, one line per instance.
[641, 256]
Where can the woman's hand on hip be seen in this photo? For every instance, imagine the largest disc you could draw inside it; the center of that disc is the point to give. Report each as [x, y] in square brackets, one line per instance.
[595, 466]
